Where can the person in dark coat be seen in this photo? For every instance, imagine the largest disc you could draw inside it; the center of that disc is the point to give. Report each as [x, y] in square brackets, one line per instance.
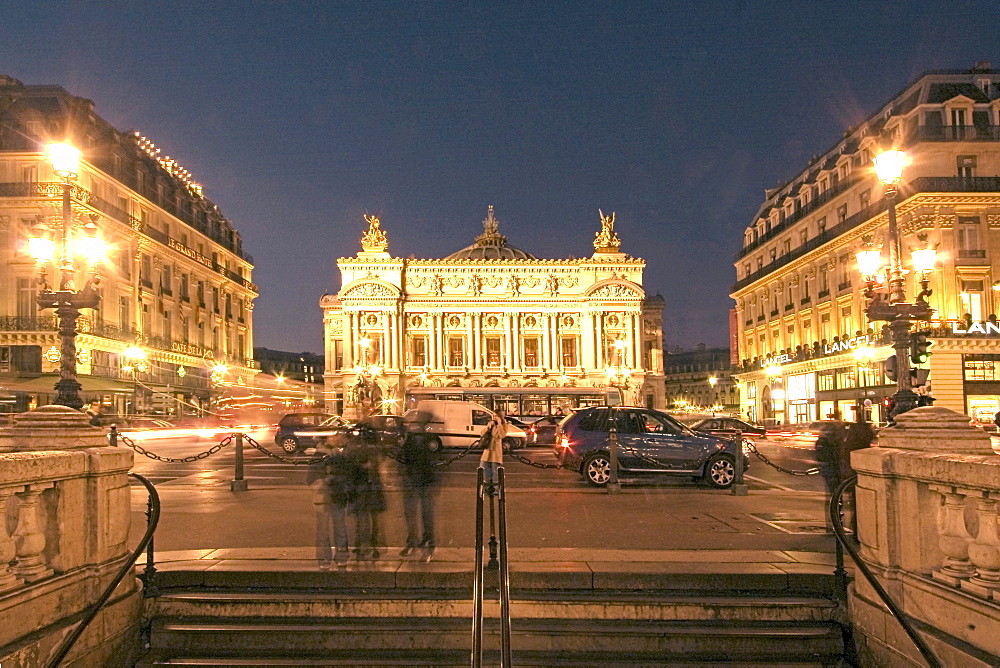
[419, 486]
[329, 479]
[368, 501]
[859, 435]
[830, 453]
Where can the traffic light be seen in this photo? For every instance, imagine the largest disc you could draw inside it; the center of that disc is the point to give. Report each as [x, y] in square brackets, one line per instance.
[919, 347]
[889, 367]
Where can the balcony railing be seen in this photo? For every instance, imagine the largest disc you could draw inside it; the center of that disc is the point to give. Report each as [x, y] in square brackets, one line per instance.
[955, 133]
[823, 294]
[843, 286]
[925, 184]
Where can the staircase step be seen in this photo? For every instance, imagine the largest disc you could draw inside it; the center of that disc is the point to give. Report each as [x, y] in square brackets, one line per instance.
[702, 640]
[582, 605]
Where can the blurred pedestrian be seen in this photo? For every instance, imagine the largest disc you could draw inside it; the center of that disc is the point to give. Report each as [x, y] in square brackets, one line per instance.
[368, 501]
[830, 453]
[94, 411]
[859, 435]
[419, 486]
[492, 457]
[328, 478]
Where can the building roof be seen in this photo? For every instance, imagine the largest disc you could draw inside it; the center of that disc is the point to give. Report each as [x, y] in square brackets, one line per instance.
[491, 245]
[942, 92]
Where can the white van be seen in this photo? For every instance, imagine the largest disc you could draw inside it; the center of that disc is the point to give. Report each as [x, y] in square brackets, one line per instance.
[455, 424]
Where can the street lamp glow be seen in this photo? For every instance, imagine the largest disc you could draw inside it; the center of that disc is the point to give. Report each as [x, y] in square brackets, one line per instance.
[220, 369]
[712, 380]
[773, 370]
[42, 249]
[924, 259]
[375, 369]
[92, 248]
[65, 159]
[620, 344]
[869, 261]
[135, 353]
[889, 167]
[364, 342]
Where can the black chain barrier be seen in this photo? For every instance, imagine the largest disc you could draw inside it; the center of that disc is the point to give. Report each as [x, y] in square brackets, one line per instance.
[452, 460]
[528, 462]
[810, 471]
[286, 460]
[176, 460]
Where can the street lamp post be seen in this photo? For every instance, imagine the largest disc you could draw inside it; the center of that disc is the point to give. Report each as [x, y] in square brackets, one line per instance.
[65, 299]
[891, 305]
[618, 376]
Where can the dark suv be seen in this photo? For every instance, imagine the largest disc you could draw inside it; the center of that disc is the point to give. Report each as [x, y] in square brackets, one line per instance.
[298, 431]
[650, 442]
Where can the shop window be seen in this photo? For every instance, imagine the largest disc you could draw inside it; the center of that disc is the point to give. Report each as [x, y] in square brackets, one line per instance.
[981, 367]
[847, 378]
[825, 380]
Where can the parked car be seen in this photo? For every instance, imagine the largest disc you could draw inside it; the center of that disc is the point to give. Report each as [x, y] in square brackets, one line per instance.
[728, 424]
[453, 423]
[543, 430]
[390, 429]
[298, 431]
[650, 442]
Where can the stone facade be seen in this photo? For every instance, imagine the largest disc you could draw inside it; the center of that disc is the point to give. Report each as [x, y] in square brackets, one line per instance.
[492, 315]
[799, 302]
[927, 523]
[67, 495]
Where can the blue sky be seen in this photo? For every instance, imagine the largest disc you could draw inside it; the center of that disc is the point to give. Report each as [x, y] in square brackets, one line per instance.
[299, 117]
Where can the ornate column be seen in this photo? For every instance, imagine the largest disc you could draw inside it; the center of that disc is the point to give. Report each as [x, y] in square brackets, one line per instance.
[637, 340]
[387, 343]
[509, 341]
[516, 341]
[432, 340]
[349, 334]
[7, 548]
[587, 358]
[470, 350]
[29, 538]
[547, 342]
[477, 340]
[599, 348]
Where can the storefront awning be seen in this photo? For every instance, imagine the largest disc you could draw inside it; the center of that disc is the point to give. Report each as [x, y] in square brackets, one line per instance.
[46, 384]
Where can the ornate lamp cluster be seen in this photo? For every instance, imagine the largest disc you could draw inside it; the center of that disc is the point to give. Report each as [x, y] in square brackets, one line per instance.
[885, 286]
[70, 241]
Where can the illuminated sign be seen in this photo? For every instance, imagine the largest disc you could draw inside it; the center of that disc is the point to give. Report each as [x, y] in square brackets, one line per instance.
[984, 327]
[784, 358]
[848, 344]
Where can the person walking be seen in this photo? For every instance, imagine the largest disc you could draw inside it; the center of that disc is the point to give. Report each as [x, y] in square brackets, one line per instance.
[492, 457]
[829, 454]
[368, 500]
[329, 477]
[419, 487]
[859, 435]
[94, 412]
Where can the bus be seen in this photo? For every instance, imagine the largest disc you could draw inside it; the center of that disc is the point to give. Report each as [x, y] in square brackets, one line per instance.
[522, 402]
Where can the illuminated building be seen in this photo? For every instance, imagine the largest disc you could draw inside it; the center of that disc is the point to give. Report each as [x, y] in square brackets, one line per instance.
[806, 348]
[493, 317]
[176, 281]
[689, 380]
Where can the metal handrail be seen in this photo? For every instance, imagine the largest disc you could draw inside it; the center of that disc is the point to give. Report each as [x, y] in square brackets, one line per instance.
[151, 522]
[894, 610]
[505, 657]
[477, 586]
[498, 559]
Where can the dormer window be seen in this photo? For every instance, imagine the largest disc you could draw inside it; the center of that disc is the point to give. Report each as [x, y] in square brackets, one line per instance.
[824, 185]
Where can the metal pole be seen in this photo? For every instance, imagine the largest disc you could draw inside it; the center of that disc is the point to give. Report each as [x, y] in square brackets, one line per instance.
[477, 584]
[504, 579]
[238, 484]
[113, 436]
[149, 589]
[614, 487]
[738, 488]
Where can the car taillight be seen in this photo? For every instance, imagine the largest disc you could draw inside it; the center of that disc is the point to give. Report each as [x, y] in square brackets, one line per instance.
[533, 430]
[564, 442]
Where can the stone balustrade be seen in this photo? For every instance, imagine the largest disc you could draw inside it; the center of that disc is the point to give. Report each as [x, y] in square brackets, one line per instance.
[65, 508]
[927, 501]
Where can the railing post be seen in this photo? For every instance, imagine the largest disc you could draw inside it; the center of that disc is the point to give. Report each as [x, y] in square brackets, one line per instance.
[504, 579]
[113, 436]
[738, 487]
[238, 484]
[478, 582]
[149, 589]
[613, 485]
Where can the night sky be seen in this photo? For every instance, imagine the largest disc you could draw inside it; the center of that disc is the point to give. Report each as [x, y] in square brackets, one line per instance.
[300, 117]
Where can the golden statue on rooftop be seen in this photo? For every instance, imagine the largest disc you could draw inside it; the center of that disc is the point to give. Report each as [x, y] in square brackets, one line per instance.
[374, 240]
[606, 241]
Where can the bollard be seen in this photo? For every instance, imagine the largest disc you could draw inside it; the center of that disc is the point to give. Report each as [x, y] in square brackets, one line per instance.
[613, 485]
[739, 488]
[113, 436]
[238, 484]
